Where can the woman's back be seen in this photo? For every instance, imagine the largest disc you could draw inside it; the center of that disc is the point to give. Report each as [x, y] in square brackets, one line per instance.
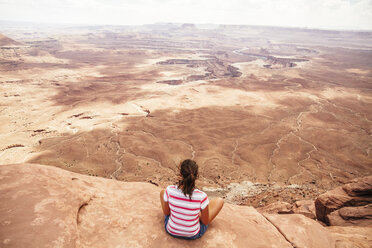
[183, 204]
[184, 212]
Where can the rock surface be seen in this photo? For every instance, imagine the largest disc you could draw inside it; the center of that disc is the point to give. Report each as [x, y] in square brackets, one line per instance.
[43, 206]
[351, 216]
[344, 204]
[277, 208]
[301, 231]
[304, 207]
[351, 237]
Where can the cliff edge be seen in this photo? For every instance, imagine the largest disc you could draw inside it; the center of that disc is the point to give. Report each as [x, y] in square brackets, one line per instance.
[42, 206]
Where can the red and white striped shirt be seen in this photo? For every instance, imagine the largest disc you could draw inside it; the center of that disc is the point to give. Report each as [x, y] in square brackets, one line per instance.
[184, 213]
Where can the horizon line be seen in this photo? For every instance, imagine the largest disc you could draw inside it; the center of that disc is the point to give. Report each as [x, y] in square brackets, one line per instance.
[181, 23]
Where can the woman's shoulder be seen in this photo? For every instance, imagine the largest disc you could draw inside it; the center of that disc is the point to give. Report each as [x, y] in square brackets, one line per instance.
[172, 187]
[199, 192]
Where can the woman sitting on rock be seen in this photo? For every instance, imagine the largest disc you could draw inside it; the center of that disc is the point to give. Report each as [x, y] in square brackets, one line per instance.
[187, 210]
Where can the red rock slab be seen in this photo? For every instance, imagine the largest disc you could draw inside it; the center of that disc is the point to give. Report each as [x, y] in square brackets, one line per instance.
[336, 199]
[301, 231]
[359, 187]
[351, 236]
[305, 207]
[277, 208]
[43, 206]
[350, 216]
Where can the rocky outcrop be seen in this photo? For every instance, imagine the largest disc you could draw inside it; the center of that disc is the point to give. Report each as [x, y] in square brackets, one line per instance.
[6, 41]
[282, 62]
[359, 187]
[304, 207]
[215, 68]
[347, 205]
[277, 208]
[44, 206]
[351, 216]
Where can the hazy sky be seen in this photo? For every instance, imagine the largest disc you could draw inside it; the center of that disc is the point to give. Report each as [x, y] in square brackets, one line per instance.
[336, 14]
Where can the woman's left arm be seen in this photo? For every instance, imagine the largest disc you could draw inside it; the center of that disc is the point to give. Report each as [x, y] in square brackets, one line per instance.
[164, 204]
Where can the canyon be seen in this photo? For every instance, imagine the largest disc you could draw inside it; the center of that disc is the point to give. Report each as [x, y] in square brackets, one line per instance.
[269, 114]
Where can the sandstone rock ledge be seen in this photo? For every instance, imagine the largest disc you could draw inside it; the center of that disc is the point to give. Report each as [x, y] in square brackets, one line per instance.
[42, 206]
[347, 205]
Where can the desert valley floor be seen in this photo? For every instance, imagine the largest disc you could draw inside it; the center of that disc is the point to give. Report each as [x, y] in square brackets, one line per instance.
[268, 113]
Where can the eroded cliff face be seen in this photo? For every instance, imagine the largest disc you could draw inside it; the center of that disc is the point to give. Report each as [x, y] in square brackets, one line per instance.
[43, 206]
[347, 205]
[346, 210]
[6, 41]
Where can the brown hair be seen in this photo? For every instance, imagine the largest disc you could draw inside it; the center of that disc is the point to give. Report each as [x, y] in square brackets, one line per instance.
[189, 173]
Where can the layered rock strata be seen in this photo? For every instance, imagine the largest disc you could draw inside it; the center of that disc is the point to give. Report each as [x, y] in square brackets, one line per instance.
[347, 205]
